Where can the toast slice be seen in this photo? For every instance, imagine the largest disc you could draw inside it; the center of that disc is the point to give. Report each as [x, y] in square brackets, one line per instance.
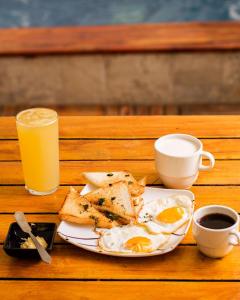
[143, 181]
[137, 204]
[103, 179]
[113, 198]
[77, 209]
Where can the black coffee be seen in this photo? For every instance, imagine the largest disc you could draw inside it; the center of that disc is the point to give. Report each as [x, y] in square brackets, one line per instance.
[216, 221]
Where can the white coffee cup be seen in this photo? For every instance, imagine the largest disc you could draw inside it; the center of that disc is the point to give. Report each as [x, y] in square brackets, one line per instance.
[216, 243]
[178, 160]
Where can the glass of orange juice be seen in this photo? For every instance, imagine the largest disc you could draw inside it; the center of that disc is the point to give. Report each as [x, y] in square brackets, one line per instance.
[38, 139]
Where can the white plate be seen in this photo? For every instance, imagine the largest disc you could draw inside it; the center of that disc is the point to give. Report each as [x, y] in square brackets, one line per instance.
[83, 236]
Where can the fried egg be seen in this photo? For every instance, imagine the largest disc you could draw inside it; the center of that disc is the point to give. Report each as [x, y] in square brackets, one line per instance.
[166, 215]
[130, 239]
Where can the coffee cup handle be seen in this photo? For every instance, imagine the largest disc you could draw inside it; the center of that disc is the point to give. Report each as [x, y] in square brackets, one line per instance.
[234, 238]
[211, 159]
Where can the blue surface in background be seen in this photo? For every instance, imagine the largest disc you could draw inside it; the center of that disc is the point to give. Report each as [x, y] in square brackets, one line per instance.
[25, 13]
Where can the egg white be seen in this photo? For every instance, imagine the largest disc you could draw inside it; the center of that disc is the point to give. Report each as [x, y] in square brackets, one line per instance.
[150, 210]
[114, 239]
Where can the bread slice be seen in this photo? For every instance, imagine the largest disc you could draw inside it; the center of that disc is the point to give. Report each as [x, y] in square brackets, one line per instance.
[137, 204]
[114, 198]
[103, 179]
[77, 209]
[143, 181]
[138, 201]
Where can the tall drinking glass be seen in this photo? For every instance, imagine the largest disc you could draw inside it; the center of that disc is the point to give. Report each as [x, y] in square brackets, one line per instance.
[38, 139]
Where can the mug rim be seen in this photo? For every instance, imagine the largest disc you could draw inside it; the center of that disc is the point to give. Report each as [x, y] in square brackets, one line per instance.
[180, 135]
[215, 230]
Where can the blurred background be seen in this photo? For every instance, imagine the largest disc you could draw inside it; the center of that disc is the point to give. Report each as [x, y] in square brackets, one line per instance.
[119, 57]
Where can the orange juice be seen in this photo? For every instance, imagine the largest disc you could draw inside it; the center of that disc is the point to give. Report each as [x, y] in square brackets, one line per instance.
[38, 139]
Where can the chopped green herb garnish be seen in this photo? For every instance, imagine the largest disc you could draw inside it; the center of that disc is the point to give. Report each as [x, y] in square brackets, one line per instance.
[85, 206]
[113, 198]
[101, 201]
[110, 174]
[147, 217]
[127, 175]
[111, 216]
[130, 182]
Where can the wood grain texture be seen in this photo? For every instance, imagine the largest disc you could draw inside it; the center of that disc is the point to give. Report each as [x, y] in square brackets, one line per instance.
[185, 262]
[121, 290]
[135, 127]
[13, 198]
[119, 149]
[121, 38]
[224, 171]
[116, 148]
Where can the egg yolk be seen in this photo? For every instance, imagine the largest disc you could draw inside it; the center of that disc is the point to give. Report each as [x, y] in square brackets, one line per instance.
[170, 215]
[139, 244]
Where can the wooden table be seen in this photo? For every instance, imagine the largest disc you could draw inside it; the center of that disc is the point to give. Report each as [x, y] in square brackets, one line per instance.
[117, 143]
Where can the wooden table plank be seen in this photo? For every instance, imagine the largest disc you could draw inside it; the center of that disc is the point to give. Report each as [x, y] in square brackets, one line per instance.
[97, 139]
[133, 127]
[6, 220]
[13, 198]
[119, 149]
[16, 198]
[183, 263]
[224, 172]
[105, 290]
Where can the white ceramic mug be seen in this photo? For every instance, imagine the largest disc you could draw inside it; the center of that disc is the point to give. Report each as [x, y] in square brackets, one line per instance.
[177, 166]
[216, 243]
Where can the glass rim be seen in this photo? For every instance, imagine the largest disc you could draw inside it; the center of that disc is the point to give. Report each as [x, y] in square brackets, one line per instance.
[29, 109]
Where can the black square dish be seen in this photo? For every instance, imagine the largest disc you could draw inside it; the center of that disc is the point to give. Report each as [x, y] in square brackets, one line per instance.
[16, 236]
